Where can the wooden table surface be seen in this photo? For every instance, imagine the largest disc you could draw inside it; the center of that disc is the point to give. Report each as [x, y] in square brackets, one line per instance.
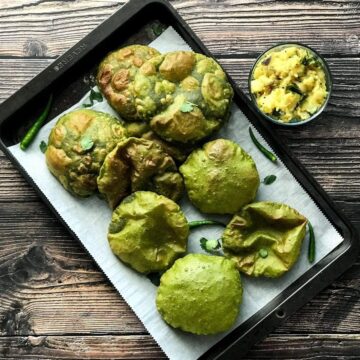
[54, 302]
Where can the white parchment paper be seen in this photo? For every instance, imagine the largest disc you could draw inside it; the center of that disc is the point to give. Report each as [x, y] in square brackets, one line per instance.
[89, 219]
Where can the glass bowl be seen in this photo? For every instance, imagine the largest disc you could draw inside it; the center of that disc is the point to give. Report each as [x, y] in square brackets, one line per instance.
[324, 66]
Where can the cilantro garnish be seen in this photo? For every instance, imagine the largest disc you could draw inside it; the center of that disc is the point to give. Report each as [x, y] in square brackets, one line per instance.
[86, 143]
[94, 96]
[210, 246]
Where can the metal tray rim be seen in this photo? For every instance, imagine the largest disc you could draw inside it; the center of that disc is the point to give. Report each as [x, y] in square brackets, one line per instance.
[320, 275]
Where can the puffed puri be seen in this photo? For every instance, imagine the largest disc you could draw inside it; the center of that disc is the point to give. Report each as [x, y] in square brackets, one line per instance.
[200, 294]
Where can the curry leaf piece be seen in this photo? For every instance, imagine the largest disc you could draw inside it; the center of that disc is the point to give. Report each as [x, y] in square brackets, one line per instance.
[295, 89]
[86, 143]
[43, 146]
[267, 61]
[94, 96]
[268, 180]
[158, 29]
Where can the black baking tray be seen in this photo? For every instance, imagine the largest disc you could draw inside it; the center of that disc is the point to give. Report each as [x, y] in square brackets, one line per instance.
[68, 79]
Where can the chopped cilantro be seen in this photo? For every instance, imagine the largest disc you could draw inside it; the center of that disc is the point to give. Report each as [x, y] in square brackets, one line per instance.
[86, 143]
[210, 246]
[263, 253]
[43, 146]
[187, 106]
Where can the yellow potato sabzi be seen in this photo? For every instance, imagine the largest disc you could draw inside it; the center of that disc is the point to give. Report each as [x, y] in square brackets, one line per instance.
[265, 239]
[148, 232]
[289, 84]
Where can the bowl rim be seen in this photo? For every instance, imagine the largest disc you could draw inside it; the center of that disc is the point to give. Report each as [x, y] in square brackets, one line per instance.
[328, 76]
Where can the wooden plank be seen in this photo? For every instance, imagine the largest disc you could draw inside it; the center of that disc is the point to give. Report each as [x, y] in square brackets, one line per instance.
[50, 285]
[80, 347]
[241, 28]
[302, 347]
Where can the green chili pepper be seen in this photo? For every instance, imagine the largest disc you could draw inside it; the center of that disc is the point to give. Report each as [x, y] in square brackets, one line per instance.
[197, 223]
[265, 151]
[32, 132]
[311, 250]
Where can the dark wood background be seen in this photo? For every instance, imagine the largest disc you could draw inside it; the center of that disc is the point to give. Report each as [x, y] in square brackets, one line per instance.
[54, 302]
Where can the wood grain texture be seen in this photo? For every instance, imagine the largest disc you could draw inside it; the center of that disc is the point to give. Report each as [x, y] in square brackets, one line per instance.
[80, 347]
[301, 347]
[54, 301]
[33, 28]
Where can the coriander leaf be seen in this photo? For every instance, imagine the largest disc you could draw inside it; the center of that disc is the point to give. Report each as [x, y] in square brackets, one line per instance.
[263, 253]
[306, 61]
[43, 147]
[187, 106]
[94, 96]
[210, 246]
[269, 179]
[86, 143]
[310, 61]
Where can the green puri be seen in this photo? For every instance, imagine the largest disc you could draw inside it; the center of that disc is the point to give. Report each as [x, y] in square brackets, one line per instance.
[116, 74]
[148, 232]
[138, 164]
[77, 147]
[200, 294]
[184, 95]
[265, 239]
